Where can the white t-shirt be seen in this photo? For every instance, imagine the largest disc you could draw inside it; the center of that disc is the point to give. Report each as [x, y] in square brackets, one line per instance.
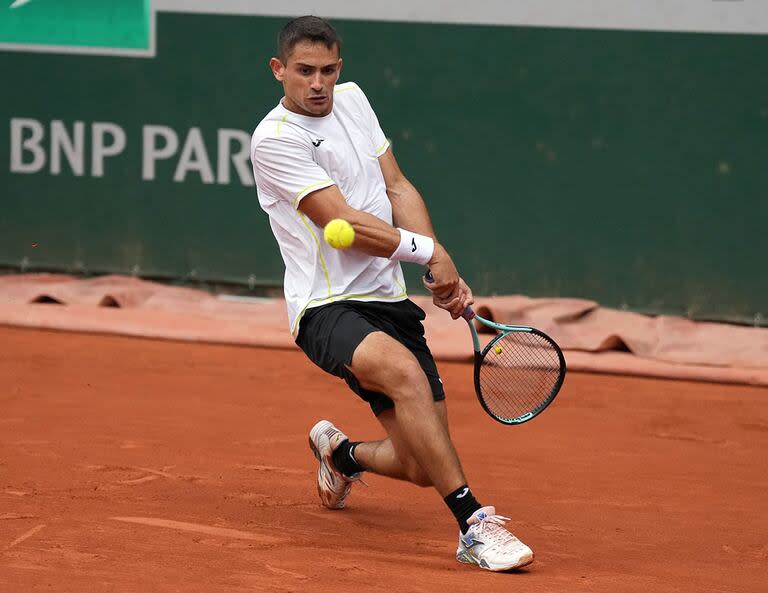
[294, 155]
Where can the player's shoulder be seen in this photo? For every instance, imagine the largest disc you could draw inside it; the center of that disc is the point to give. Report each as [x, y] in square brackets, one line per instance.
[349, 100]
[276, 126]
[348, 94]
[346, 87]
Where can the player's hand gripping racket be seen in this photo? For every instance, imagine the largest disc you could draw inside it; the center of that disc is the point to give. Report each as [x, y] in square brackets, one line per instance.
[518, 373]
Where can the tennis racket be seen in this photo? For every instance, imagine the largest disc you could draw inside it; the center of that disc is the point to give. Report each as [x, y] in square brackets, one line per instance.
[518, 373]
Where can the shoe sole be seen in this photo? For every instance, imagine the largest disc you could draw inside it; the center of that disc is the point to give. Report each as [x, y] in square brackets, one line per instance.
[525, 561]
[316, 429]
[315, 450]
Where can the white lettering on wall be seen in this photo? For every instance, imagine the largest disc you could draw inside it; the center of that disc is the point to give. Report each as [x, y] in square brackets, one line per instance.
[240, 159]
[30, 144]
[101, 149]
[152, 152]
[194, 158]
[34, 143]
[73, 149]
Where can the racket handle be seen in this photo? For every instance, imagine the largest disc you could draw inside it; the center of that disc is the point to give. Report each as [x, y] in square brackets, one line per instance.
[468, 314]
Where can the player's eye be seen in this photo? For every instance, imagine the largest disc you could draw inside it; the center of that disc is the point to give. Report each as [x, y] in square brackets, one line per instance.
[329, 70]
[305, 70]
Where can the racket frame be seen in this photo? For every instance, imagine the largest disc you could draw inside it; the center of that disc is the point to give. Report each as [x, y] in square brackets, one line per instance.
[480, 355]
[469, 315]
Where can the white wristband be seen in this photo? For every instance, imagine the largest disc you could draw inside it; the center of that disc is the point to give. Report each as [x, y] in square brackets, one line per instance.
[414, 248]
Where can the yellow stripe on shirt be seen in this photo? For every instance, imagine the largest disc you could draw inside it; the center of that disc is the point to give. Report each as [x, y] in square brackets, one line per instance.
[319, 250]
[351, 86]
[381, 149]
[285, 117]
[310, 188]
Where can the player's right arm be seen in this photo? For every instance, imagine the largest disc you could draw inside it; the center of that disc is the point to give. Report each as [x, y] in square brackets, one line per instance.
[375, 237]
[372, 235]
[284, 168]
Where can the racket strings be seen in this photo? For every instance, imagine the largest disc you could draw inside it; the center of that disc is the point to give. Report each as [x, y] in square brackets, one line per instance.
[519, 375]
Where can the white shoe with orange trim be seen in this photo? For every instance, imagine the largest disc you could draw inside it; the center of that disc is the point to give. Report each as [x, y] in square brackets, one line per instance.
[489, 545]
[332, 486]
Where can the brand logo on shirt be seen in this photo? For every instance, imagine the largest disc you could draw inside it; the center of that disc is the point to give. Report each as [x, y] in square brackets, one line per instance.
[413, 245]
[318, 141]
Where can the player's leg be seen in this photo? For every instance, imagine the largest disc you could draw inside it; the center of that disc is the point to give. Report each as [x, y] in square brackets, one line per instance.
[329, 336]
[390, 457]
[332, 337]
[382, 364]
[483, 540]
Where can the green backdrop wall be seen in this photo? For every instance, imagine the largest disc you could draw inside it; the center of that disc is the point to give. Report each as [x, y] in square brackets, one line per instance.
[626, 167]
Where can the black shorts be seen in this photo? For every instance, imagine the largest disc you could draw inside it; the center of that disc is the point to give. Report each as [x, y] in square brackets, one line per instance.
[330, 334]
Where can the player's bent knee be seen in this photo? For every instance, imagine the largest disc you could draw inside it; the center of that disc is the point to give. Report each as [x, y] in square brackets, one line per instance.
[382, 364]
[403, 381]
[409, 383]
[403, 371]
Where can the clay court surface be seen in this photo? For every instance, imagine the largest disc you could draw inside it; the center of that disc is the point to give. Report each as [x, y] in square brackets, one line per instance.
[130, 465]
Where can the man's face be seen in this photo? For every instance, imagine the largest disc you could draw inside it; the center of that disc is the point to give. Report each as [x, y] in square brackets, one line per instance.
[308, 78]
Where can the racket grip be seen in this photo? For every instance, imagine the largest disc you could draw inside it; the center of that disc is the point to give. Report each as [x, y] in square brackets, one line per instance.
[468, 314]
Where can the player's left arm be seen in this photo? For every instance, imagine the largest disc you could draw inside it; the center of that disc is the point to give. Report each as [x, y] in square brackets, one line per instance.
[408, 208]
[410, 212]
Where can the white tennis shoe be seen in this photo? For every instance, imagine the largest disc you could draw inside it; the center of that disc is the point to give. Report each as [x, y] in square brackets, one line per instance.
[332, 486]
[489, 545]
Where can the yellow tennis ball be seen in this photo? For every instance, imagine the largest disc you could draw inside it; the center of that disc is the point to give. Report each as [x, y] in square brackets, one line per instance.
[497, 350]
[339, 234]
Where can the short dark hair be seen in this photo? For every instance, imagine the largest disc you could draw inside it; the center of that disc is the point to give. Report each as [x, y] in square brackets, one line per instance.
[306, 28]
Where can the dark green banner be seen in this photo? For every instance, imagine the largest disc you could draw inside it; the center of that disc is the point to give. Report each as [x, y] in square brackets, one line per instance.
[627, 167]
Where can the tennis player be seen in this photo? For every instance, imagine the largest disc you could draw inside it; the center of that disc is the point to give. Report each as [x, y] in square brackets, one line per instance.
[320, 154]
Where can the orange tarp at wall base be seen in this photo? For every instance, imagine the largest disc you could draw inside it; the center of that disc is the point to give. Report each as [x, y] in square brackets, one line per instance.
[593, 338]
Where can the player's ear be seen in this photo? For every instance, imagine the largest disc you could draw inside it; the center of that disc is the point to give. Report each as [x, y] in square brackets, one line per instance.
[278, 69]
